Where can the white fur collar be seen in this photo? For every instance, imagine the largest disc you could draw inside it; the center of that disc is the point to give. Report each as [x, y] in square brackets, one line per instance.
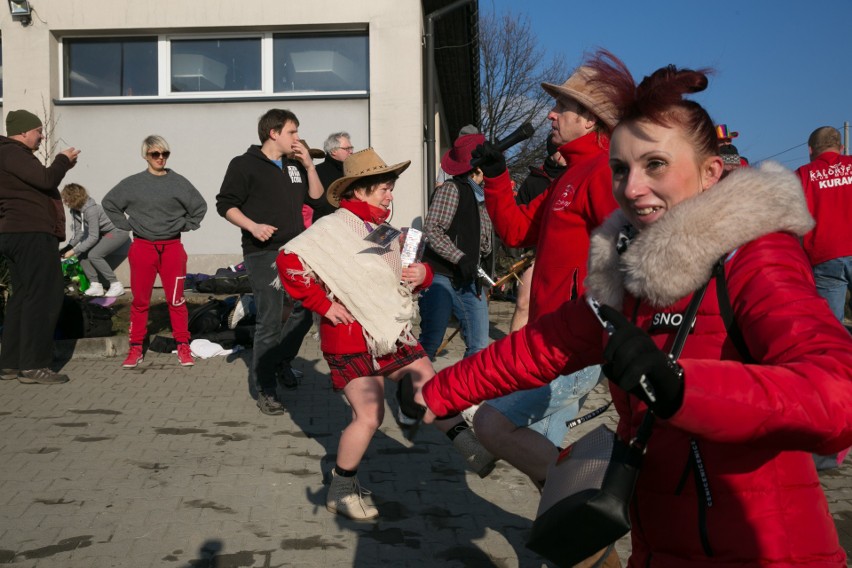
[675, 256]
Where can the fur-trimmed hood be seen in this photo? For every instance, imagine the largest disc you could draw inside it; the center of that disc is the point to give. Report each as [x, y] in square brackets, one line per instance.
[675, 256]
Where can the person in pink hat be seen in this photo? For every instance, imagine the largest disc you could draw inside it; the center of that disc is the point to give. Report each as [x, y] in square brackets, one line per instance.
[459, 235]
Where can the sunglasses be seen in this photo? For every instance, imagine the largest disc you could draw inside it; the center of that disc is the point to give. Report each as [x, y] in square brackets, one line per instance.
[156, 155]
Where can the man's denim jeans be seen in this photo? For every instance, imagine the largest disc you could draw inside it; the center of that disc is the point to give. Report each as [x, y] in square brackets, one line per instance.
[547, 409]
[443, 299]
[833, 279]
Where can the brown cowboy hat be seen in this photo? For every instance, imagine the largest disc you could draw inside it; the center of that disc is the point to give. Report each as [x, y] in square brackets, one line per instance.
[456, 161]
[360, 165]
[314, 153]
[580, 86]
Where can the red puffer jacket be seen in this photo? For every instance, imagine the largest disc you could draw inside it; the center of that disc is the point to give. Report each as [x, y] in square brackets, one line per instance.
[754, 425]
[336, 339]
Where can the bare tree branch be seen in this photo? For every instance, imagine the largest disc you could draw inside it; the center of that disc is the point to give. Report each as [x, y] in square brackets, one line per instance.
[513, 66]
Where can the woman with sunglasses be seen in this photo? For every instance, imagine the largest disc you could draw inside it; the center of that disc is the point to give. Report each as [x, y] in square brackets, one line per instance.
[157, 205]
[728, 478]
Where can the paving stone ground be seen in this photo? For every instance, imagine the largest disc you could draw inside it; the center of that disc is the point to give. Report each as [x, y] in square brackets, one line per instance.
[164, 466]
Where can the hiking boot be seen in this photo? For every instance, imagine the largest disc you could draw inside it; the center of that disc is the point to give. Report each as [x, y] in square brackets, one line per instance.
[43, 376]
[134, 357]
[184, 354]
[287, 377]
[346, 497]
[95, 289]
[269, 405]
[115, 289]
[474, 453]
[8, 374]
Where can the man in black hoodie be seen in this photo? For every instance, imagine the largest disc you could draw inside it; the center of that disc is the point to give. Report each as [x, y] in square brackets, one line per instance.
[263, 193]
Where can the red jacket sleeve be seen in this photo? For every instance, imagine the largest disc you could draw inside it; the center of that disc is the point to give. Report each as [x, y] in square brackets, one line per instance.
[427, 281]
[516, 225]
[799, 394]
[299, 286]
[558, 343]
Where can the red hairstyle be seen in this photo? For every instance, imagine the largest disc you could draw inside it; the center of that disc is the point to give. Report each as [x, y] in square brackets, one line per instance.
[659, 98]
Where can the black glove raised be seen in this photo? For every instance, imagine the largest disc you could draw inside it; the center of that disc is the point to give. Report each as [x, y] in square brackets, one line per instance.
[637, 365]
[466, 270]
[491, 160]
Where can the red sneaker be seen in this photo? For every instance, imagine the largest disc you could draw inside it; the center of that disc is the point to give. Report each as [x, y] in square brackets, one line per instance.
[185, 355]
[134, 357]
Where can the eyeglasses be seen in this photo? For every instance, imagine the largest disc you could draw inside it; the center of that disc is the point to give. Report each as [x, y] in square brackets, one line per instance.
[156, 155]
[347, 148]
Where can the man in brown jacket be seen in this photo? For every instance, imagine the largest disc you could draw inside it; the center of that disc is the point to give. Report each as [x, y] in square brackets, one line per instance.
[32, 224]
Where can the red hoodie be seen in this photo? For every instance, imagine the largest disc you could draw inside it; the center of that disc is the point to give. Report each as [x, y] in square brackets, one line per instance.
[558, 221]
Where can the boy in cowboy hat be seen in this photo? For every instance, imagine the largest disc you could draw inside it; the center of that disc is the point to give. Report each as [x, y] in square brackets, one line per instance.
[367, 301]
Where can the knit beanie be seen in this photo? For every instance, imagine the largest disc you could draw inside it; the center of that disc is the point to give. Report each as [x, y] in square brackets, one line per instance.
[20, 121]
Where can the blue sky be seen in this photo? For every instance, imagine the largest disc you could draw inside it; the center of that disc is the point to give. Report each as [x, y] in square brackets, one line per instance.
[783, 67]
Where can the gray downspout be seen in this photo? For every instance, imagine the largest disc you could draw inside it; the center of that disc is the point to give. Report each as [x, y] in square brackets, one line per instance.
[430, 95]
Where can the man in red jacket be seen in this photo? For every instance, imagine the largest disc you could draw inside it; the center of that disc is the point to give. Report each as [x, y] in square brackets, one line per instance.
[525, 428]
[827, 181]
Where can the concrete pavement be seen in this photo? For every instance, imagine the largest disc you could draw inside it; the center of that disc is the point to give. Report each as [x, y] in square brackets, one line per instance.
[168, 466]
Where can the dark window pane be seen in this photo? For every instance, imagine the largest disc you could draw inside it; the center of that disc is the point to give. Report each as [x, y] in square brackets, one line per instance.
[320, 63]
[115, 67]
[216, 65]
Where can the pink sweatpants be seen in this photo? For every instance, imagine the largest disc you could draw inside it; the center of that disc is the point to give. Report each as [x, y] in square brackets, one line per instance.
[147, 260]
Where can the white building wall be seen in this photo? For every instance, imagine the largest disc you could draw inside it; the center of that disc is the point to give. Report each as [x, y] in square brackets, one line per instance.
[204, 136]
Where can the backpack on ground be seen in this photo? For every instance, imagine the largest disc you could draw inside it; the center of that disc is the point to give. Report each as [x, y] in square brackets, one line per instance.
[80, 318]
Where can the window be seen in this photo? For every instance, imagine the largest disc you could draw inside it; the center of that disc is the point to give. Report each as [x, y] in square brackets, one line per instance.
[320, 63]
[216, 65]
[204, 66]
[115, 67]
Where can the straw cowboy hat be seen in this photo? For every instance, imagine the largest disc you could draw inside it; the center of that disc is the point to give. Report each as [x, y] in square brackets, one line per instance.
[457, 159]
[581, 87]
[359, 165]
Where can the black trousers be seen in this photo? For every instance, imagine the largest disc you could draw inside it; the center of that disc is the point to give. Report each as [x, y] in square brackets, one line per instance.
[36, 301]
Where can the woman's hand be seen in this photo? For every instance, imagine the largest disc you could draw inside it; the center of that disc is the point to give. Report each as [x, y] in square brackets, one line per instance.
[338, 314]
[68, 254]
[637, 365]
[414, 274]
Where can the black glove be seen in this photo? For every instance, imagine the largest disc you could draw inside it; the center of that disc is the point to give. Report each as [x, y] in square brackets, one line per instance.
[64, 249]
[637, 365]
[466, 270]
[492, 161]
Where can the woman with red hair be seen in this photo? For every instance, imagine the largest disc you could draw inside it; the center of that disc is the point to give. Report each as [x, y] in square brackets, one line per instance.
[728, 478]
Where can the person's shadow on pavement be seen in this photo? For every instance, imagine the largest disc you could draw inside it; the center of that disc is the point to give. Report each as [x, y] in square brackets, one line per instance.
[427, 511]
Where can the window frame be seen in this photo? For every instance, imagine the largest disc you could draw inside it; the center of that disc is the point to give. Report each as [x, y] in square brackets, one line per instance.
[164, 71]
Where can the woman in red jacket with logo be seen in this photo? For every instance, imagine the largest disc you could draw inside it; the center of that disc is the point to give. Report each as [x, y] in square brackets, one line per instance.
[728, 479]
[347, 267]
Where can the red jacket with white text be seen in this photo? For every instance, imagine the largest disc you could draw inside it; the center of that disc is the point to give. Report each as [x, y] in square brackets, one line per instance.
[755, 425]
[558, 222]
[827, 182]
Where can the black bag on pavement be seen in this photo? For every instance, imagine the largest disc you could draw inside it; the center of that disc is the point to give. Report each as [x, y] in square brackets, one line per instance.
[80, 319]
